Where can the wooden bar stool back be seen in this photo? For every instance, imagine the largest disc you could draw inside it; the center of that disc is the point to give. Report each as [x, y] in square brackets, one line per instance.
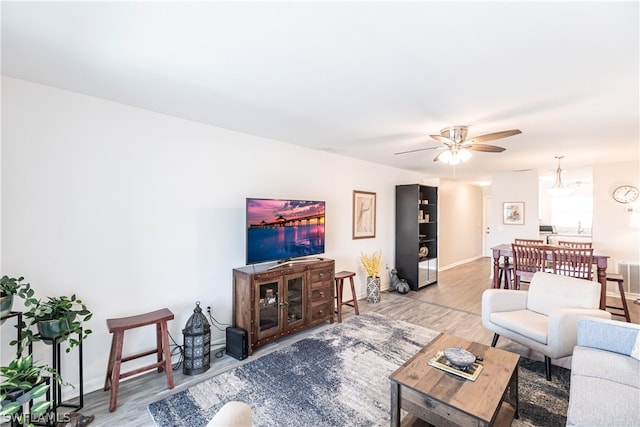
[506, 269]
[353, 302]
[117, 327]
[625, 309]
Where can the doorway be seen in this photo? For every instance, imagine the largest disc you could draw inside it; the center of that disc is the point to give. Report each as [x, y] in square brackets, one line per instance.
[486, 226]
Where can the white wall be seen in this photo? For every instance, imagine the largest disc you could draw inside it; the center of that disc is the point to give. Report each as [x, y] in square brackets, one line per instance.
[514, 187]
[612, 229]
[459, 223]
[134, 210]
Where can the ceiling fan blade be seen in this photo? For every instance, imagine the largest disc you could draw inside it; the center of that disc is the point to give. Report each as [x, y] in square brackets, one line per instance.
[420, 149]
[484, 147]
[493, 136]
[443, 139]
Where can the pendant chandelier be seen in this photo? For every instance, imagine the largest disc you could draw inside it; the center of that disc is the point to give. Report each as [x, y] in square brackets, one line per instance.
[559, 189]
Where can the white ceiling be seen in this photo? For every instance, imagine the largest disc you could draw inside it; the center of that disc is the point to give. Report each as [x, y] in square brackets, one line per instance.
[362, 79]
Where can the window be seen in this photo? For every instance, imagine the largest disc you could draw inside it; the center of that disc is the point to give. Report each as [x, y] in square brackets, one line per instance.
[572, 212]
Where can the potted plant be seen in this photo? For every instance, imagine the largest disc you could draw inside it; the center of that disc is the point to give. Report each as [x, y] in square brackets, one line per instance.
[10, 286]
[23, 381]
[60, 318]
[372, 265]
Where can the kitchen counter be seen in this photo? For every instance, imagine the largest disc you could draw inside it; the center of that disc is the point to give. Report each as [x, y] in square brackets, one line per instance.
[553, 239]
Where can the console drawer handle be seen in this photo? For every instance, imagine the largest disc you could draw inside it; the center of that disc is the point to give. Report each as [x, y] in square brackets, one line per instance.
[322, 293]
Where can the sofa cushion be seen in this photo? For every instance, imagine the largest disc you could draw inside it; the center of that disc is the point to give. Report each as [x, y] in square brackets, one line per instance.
[524, 322]
[545, 295]
[600, 402]
[615, 367]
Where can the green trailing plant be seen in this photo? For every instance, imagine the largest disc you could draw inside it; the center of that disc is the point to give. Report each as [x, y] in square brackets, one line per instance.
[14, 286]
[9, 287]
[70, 314]
[23, 381]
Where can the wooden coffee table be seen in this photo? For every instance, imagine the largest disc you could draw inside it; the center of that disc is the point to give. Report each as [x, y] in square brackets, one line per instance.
[443, 399]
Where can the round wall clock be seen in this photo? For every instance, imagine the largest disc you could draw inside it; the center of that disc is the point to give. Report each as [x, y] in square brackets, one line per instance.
[625, 194]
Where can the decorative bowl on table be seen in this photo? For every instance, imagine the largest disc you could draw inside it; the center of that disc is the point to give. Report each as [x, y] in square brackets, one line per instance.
[459, 357]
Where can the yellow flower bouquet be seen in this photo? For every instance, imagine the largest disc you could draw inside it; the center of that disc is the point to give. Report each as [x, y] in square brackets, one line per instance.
[372, 264]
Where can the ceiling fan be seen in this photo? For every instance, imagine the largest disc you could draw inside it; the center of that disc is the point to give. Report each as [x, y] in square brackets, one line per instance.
[457, 147]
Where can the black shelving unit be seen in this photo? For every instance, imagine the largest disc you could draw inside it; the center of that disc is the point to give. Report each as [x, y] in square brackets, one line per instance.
[417, 234]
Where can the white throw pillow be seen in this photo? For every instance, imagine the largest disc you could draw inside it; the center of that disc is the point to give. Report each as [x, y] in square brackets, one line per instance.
[635, 351]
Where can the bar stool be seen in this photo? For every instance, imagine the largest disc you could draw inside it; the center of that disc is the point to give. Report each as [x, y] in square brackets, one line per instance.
[625, 309]
[506, 270]
[117, 327]
[353, 302]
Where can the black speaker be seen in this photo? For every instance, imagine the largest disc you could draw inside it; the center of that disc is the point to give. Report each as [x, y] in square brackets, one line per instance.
[237, 343]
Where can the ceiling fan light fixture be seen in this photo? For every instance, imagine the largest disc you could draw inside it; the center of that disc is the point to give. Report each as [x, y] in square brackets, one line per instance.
[445, 156]
[454, 156]
[464, 154]
[559, 189]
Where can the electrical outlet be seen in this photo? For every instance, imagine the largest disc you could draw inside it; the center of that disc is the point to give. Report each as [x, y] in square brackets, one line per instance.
[209, 310]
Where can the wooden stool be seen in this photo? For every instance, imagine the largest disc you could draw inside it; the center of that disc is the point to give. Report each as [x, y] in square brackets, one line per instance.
[353, 302]
[625, 309]
[506, 270]
[117, 328]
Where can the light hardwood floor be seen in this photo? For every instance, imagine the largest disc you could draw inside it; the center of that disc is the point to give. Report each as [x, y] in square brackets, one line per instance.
[453, 306]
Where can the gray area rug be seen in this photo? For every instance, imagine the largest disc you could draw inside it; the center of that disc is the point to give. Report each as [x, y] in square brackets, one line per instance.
[338, 377]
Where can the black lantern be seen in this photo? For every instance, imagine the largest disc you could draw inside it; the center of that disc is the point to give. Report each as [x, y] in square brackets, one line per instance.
[197, 343]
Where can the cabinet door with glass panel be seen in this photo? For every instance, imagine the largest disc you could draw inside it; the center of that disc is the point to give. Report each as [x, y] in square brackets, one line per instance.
[268, 306]
[280, 304]
[294, 306]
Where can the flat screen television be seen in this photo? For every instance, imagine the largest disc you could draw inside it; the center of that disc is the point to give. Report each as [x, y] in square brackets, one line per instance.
[282, 230]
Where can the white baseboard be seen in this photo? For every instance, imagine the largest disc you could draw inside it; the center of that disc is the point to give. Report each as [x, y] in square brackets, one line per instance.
[457, 263]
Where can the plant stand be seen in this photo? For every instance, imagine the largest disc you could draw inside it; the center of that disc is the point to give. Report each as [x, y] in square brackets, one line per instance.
[23, 399]
[18, 315]
[56, 401]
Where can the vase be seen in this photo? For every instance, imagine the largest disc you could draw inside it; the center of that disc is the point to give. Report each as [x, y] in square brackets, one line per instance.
[6, 304]
[53, 329]
[373, 289]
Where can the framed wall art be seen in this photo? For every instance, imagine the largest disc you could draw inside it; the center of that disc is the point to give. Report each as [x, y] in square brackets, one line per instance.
[364, 214]
[513, 213]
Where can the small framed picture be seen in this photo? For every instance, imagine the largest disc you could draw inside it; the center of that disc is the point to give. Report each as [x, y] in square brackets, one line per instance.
[513, 213]
[364, 215]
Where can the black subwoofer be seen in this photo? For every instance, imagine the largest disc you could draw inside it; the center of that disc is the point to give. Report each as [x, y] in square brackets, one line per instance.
[237, 343]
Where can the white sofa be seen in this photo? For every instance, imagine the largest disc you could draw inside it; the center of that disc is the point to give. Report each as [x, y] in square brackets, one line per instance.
[605, 374]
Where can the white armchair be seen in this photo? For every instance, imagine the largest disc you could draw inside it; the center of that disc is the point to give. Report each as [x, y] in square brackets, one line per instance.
[545, 317]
